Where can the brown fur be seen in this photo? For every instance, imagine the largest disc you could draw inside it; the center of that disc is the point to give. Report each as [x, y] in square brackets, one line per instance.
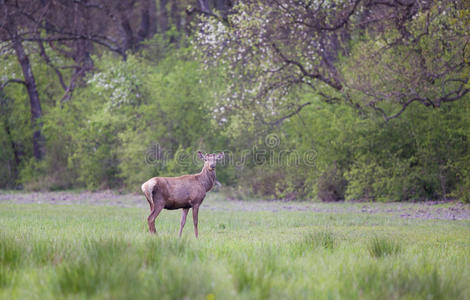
[185, 192]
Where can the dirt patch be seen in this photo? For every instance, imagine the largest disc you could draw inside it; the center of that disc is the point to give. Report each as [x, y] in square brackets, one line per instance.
[64, 198]
[451, 210]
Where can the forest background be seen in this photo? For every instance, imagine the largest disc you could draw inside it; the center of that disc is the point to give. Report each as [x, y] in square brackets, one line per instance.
[324, 100]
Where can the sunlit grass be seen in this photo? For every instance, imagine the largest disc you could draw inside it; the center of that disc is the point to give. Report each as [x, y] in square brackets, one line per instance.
[98, 252]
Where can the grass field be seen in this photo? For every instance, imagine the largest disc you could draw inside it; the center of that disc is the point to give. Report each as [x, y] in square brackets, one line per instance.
[246, 250]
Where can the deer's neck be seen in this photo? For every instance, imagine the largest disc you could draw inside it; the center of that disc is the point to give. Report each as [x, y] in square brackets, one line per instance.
[207, 178]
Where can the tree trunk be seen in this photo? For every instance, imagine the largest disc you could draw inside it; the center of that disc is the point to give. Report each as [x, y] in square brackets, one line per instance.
[175, 15]
[125, 10]
[163, 16]
[222, 5]
[5, 111]
[35, 105]
[129, 34]
[83, 47]
[148, 20]
[14, 148]
[176, 21]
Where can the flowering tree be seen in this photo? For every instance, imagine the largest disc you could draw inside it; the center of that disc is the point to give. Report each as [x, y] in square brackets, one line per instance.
[382, 54]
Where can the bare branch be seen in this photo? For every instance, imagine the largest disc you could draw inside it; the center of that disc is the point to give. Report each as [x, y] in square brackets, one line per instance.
[46, 58]
[89, 5]
[343, 21]
[293, 113]
[207, 13]
[13, 80]
[71, 85]
[450, 97]
[76, 37]
[403, 108]
[333, 84]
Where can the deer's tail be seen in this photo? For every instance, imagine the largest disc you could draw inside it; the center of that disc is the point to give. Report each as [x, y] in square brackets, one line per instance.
[147, 188]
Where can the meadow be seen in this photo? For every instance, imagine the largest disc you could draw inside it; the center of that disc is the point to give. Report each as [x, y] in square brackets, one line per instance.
[246, 250]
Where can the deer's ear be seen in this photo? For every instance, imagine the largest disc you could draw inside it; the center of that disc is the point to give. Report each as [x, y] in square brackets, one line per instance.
[220, 156]
[200, 155]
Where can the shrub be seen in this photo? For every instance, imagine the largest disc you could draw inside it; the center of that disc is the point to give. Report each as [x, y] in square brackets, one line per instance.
[331, 185]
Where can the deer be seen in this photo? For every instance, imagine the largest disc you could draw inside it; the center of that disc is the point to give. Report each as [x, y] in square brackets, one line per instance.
[183, 192]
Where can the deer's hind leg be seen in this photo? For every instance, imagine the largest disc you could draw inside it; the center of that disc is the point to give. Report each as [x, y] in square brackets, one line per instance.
[150, 203]
[148, 194]
[158, 205]
[153, 215]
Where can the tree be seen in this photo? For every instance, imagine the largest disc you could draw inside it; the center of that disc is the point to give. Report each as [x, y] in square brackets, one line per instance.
[64, 35]
[44, 26]
[379, 54]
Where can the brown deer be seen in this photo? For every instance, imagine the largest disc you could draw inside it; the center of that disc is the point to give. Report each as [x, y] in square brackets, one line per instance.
[185, 192]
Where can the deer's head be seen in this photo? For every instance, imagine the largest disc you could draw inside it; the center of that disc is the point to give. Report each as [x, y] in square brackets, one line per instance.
[210, 160]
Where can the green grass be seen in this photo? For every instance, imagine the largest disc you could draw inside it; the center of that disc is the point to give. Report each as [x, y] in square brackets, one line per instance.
[98, 252]
[381, 246]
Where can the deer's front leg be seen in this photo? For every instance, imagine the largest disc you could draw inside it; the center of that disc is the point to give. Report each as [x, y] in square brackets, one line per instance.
[183, 219]
[195, 213]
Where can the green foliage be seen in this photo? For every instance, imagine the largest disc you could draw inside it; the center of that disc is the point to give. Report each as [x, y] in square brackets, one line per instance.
[7, 161]
[15, 134]
[331, 185]
[421, 155]
[412, 158]
[105, 136]
[148, 116]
